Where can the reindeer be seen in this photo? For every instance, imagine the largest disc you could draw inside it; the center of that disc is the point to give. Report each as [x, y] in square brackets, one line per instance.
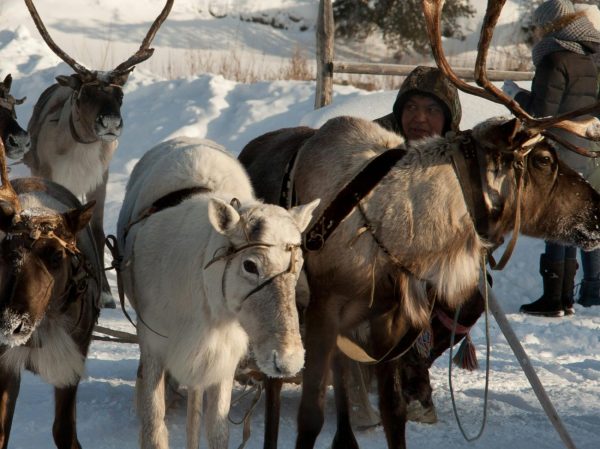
[422, 231]
[226, 279]
[16, 139]
[50, 286]
[76, 123]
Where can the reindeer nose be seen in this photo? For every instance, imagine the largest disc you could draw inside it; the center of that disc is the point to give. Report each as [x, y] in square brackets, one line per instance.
[111, 121]
[17, 145]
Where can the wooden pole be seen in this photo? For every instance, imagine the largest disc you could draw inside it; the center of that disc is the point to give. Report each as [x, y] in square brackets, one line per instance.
[404, 70]
[325, 40]
[525, 363]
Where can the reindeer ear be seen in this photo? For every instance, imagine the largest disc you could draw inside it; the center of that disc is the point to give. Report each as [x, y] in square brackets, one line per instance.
[71, 81]
[508, 131]
[77, 219]
[303, 214]
[120, 79]
[7, 213]
[222, 216]
[7, 82]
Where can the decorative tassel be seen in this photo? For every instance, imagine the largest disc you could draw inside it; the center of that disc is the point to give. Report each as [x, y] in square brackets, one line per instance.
[424, 343]
[466, 356]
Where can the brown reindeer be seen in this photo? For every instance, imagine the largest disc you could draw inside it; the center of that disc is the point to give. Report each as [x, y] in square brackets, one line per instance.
[49, 289]
[422, 231]
[76, 123]
[16, 139]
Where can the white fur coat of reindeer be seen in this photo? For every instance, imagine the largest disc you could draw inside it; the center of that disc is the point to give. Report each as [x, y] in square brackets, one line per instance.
[207, 277]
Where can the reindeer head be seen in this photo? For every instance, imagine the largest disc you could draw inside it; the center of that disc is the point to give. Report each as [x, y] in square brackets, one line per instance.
[38, 257]
[97, 96]
[16, 140]
[259, 277]
[521, 169]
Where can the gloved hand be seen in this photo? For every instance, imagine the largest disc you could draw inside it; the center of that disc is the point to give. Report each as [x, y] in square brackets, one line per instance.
[511, 88]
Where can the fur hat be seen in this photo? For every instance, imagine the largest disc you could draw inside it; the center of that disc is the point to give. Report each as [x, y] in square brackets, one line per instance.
[552, 10]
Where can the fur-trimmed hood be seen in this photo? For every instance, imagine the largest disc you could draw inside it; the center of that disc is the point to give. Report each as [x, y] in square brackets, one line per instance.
[426, 81]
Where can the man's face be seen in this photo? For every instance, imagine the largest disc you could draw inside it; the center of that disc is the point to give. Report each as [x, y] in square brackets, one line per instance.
[422, 116]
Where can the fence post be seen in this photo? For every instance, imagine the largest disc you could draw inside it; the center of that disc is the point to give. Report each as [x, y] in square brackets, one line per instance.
[325, 38]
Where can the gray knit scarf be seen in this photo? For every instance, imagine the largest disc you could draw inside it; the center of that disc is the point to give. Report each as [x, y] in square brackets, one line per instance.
[573, 37]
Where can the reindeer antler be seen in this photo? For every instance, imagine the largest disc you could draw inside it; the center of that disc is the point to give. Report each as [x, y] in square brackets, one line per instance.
[7, 193]
[144, 52]
[432, 9]
[55, 48]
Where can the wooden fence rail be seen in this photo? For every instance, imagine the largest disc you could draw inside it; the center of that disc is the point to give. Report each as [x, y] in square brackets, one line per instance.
[327, 66]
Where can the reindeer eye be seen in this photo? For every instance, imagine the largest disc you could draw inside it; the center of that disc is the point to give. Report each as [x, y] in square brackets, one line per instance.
[55, 258]
[542, 160]
[250, 267]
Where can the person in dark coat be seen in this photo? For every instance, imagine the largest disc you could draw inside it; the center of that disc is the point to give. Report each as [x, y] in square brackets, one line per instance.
[427, 105]
[566, 78]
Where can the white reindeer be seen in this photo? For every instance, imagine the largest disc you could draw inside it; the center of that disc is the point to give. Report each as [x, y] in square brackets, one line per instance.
[76, 123]
[207, 277]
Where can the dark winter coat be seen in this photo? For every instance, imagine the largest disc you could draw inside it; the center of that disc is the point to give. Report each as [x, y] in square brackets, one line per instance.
[429, 81]
[563, 81]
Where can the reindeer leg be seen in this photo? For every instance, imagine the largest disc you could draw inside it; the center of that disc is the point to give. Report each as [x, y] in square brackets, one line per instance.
[150, 392]
[392, 404]
[194, 413]
[64, 428]
[272, 411]
[10, 383]
[344, 437]
[97, 224]
[218, 399]
[321, 333]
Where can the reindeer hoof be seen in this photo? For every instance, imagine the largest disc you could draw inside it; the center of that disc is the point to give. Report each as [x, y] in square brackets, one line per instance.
[417, 413]
[107, 301]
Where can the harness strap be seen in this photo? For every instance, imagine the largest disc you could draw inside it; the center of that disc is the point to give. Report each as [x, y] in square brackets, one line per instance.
[345, 201]
[466, 167]
[519, 165]
[287, 197]
[111, 244]
[169, 200]
[355, 352]
[448, 323]
[75, 135]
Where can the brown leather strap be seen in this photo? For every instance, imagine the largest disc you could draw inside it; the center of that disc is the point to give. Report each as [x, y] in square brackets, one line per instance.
[287, 197]
[169, 200]
[359, 354]
[347, 199]
[466, 167]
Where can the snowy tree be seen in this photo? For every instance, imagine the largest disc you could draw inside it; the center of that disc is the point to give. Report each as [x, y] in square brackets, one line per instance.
[400, 21]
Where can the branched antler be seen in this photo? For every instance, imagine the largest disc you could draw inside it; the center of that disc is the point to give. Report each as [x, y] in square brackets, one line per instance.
[144, 52]
[588, 129]
[83, 71]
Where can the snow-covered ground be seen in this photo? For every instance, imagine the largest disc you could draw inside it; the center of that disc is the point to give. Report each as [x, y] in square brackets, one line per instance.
[563, 351]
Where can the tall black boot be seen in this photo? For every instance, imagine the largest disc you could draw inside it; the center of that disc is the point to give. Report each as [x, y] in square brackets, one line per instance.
[568, 298]
[589, 294]
[550, 303]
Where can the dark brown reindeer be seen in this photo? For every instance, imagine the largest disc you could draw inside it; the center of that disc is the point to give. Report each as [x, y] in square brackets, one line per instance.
[76, 123]
[49, 295]
[16, 139]
[422, 231]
